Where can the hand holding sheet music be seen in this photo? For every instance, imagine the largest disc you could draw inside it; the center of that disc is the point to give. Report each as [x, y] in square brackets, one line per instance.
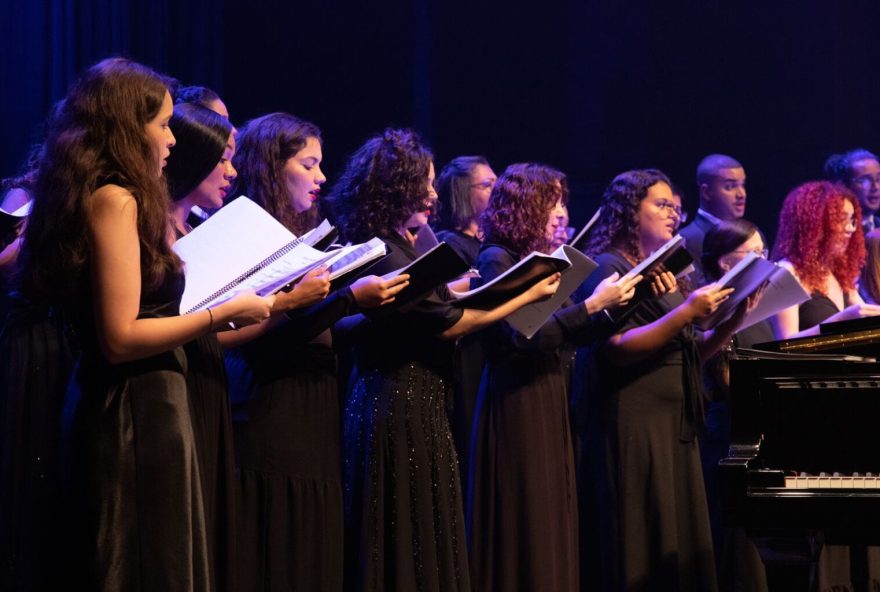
[778, 291]
[242, 247]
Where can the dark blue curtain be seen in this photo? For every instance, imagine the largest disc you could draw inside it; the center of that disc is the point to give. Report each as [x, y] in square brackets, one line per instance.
[45, 44]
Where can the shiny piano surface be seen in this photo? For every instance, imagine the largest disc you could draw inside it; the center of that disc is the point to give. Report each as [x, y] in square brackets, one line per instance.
[805, 406]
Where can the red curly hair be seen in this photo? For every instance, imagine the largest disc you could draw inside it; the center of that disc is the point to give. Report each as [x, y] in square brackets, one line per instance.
[811, 221]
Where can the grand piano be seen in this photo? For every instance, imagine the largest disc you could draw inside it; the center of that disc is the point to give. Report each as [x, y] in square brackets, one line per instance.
[803, 467]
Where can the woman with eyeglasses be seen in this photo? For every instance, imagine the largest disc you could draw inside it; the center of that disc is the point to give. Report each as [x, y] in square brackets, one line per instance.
[645, 521]
[463, 189]
[736, 558]
[821, 242]
[404, 510]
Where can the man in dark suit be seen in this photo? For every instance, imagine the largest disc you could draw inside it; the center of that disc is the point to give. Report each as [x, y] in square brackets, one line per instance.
[721, 181]
[859, 170]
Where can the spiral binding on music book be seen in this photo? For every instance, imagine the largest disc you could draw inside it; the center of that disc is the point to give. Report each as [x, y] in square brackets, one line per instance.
[247, 274]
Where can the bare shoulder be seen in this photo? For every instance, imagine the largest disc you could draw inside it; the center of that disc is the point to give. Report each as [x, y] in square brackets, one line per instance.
[110, 200]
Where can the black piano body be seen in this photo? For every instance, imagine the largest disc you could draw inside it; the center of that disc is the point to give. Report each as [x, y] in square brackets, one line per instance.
[812, 410]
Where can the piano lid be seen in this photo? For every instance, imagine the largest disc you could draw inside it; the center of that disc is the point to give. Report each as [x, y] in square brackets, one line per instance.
[859, 337]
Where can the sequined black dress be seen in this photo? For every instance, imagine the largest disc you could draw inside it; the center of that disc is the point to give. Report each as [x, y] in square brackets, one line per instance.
[522, 499]
[143, 517]
[646, 521]
[404, 518]
[288, 451]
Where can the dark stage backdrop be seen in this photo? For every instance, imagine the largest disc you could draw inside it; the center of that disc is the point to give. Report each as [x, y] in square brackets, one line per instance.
[593, 88]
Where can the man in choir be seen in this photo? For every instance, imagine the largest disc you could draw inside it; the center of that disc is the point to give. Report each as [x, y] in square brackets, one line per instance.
[721, 182]
[859, 170]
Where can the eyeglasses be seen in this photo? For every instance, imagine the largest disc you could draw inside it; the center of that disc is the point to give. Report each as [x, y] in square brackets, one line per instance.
[670, 208]
[762, 252]
[868, 180]
[484, 185]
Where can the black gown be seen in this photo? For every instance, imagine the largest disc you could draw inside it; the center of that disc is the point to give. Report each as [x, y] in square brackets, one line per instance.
[212, 427]
[404, 517]
[38, 354]
[522, 499]
[648, 523]
[469, 360]
[142, 498]
[288, 451]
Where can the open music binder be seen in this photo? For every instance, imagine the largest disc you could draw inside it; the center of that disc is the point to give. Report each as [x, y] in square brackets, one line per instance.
[746, 277]
[242, 247]
[672, 256]
[438, 266]
[571, 263]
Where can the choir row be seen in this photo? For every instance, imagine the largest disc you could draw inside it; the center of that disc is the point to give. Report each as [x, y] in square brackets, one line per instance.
[327, 442]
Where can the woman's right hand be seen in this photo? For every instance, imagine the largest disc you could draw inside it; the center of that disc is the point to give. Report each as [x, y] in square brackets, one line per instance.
[705, 300]
[855, 311]
[543, 289]
[313, 287]
[613, 291]
[372, 291]
[246, 308]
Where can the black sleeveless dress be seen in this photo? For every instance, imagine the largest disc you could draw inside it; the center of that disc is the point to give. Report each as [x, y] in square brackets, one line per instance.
[141, 495]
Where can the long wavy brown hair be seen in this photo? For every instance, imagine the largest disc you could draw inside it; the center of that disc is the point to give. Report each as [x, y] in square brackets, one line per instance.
[519, 207]
[96, 136]
[263, 147]
[618, 225]
[384, 183]
[810, 223]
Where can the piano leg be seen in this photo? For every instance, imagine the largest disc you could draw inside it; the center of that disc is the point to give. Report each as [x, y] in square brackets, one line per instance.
[791, 560]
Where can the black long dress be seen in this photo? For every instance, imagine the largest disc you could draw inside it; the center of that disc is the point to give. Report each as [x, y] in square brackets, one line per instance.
[142, 491]
[648, 527]
[404, 518]
[38, 356]
[522, 501]
[469, 360]
[212, 427]
[288, 450]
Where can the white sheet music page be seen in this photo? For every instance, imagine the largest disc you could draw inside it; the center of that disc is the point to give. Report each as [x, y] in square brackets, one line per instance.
[226, 245]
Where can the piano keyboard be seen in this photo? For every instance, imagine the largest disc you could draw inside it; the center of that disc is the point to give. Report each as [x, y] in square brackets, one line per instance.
[835, 481]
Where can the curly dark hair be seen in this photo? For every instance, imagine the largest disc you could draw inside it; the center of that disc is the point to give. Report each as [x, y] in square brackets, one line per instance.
[454, 207]
[96, 136]
[383, 184]
[202, 136]
[264, 145]
[618, 225]
[522, 198]
[809, 226]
